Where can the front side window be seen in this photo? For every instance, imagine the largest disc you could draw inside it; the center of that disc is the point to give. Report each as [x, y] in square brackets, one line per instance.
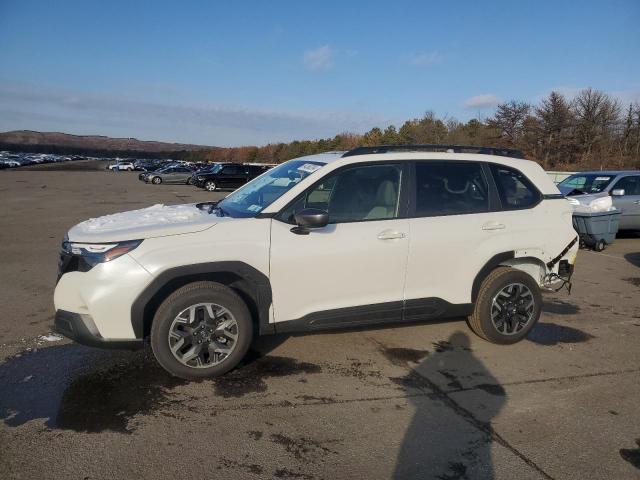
[516, 191]
[630, 185]
[369, 192]
[450, 188]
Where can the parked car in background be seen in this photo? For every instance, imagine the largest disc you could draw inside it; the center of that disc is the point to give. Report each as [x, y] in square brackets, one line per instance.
[171, 174]
[203, 170]
[121, 166]
[143, 175]
[146, 165]
[622, 186]
[228, 175]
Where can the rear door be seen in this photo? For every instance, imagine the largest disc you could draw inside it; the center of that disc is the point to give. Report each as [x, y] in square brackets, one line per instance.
[629, 203]
[455, 227]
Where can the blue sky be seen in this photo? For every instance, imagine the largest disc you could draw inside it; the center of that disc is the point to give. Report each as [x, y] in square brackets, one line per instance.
[240, 73]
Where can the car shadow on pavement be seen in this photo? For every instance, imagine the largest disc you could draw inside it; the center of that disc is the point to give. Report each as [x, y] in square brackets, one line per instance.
[454, 444]
[633, 258]
[560, 307]
[82, 389]
[72, 387]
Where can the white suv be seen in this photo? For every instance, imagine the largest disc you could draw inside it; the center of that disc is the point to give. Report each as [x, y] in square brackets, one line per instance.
[126, 166]
[370, 236]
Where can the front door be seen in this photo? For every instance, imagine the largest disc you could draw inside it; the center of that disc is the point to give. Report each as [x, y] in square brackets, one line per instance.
[351, 271]
[629, 203]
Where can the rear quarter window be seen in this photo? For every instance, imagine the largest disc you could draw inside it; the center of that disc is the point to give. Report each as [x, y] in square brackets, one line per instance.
[515, 190]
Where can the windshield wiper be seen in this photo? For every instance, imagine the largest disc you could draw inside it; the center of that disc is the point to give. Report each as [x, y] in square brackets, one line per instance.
[208, 206]
[221, 212]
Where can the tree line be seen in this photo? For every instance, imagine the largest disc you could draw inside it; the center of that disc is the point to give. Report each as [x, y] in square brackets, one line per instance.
[591, 131]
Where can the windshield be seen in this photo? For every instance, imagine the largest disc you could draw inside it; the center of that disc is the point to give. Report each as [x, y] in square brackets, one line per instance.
[261, 192]
[582, 183]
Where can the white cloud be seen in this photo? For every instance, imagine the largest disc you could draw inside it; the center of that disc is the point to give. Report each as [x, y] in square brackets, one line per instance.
[487, 100]
[423, 59]
[32, 107]
[320, 58]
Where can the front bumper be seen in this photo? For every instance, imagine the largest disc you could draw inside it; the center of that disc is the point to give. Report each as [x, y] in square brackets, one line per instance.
[81, 328]
[104, 294]
[197, 183]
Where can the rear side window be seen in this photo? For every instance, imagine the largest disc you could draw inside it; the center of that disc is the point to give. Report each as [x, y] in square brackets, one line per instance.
[516, 191]
[450, 188]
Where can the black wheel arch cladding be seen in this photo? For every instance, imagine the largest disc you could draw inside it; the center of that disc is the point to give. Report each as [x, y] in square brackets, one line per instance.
[251, 285]
[491, 264]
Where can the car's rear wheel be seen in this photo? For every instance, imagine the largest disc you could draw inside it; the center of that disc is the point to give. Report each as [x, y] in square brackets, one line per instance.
[210, 186]
[156, 180]
[508, 306]
[202, 330]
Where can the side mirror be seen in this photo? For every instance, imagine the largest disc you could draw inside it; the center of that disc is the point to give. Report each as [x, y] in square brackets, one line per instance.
[618, 192]
[310, 218]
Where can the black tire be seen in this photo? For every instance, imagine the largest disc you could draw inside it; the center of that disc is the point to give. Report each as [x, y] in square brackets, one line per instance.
[480, 320]
[189, 181]
[183, 298]
[600, 246]
[210, 186]
[156, 180]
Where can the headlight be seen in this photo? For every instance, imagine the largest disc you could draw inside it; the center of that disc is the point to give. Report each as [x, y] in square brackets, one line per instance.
[601, 204]
[94, 253]
[200, 178]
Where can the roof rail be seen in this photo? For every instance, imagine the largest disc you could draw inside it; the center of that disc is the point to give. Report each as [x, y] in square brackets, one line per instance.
[502, 152]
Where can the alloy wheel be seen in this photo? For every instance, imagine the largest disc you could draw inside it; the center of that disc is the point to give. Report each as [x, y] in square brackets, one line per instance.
[512, 308]
[203, 335]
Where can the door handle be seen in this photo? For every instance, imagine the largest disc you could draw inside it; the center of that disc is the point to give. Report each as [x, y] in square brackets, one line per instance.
[493, 226]
[390, 235]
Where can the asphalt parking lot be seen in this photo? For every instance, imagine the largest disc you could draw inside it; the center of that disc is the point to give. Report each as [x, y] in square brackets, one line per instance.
[418, 401]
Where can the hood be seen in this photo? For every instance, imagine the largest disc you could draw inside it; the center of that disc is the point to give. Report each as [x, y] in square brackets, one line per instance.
[156, 221]
[591, 202]
[584, 197]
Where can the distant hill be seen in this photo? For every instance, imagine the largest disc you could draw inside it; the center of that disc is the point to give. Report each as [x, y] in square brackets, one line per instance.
[95, 145]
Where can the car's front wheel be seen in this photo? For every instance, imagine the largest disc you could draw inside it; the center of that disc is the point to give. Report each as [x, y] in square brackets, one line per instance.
[508, 306]
[210, 185]
[156, 180]
[201, 330]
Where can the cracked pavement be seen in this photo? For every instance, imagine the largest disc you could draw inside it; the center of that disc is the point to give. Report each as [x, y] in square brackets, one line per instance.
[426, 400]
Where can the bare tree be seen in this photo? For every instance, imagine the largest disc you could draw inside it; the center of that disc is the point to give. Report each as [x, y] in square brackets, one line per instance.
[555, 121]
[597, 121]
[509, 119]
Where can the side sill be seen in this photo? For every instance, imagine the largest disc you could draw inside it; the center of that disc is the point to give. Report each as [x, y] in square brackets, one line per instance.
[389, 313]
